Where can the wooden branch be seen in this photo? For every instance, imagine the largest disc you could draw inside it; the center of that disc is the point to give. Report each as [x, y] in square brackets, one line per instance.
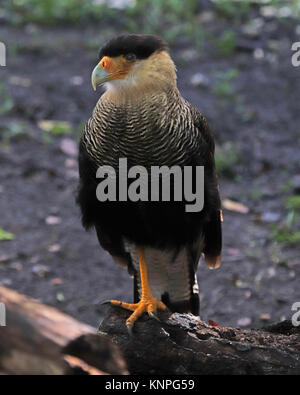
[181, 344]
[38, 339]
[41, 340]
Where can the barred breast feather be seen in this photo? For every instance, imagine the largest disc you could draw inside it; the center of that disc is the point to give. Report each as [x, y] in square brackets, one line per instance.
[161, 130]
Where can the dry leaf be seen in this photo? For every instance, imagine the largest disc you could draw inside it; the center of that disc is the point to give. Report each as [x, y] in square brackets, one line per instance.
[213, 323]
[54, 248]
[235, 206]
[55, 127]
[265, 317]
[248, 294]
[41, 270]
[200, 80]
[57, 281]
[244, 321]
[69, 147]
[71, 163]
[77, 80]
[4, 258]
[17, 266]
[51, 220]
[20, 81]
[233, 251]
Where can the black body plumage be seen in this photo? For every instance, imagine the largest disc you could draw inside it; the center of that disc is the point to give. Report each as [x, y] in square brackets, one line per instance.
[162, 130]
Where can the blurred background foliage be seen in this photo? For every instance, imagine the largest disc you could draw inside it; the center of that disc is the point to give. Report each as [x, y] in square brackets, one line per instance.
[151, 15]
[172, 19]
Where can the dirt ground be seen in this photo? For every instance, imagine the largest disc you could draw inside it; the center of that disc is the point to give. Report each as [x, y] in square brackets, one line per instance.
[53, 259]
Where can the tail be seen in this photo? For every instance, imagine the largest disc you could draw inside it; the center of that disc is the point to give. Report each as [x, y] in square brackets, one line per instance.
[213, 241]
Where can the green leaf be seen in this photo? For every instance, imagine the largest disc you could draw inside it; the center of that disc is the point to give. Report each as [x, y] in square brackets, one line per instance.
[293, 202]
[6, 236]
[60, 297]
[56, 128]
[6, 100]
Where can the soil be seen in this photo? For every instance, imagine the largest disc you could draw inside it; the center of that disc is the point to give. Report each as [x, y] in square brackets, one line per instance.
[54, 260]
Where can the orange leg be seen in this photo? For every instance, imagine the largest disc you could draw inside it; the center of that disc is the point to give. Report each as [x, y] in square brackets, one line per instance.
[148, 303]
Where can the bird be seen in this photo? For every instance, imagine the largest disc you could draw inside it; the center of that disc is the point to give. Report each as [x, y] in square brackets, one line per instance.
[141, 116]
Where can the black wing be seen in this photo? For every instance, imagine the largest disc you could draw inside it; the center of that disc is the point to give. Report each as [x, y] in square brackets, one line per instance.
[87, 200]
[212, 229]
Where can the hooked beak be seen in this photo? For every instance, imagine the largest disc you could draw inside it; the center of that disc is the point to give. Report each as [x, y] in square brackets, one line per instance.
[99, 76]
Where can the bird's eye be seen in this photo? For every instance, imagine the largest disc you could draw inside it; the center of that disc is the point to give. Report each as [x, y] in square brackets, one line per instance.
[130, 57]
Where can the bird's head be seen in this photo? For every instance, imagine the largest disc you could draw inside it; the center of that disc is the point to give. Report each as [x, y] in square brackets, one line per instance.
[134, 61]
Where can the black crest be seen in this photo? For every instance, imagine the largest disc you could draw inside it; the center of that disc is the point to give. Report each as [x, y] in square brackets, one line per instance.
[141, 45]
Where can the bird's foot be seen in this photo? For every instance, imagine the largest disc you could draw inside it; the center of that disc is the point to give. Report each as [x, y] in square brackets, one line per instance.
[148, 305]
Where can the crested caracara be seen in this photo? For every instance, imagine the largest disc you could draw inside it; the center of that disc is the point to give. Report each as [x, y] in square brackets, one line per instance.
[142, 117]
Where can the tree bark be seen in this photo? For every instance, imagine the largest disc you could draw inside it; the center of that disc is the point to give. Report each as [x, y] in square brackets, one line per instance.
[39, 339]
[182, 344]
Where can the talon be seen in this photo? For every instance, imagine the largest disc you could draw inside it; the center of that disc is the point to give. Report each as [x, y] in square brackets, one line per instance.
[129, 329]
[105, 302]
[153, 315]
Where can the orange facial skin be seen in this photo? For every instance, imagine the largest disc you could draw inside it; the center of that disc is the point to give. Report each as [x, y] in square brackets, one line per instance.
[117, 68]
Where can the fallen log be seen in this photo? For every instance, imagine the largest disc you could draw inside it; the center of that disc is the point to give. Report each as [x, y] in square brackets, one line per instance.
[182, 344]
[35, 338]
[39, 339]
